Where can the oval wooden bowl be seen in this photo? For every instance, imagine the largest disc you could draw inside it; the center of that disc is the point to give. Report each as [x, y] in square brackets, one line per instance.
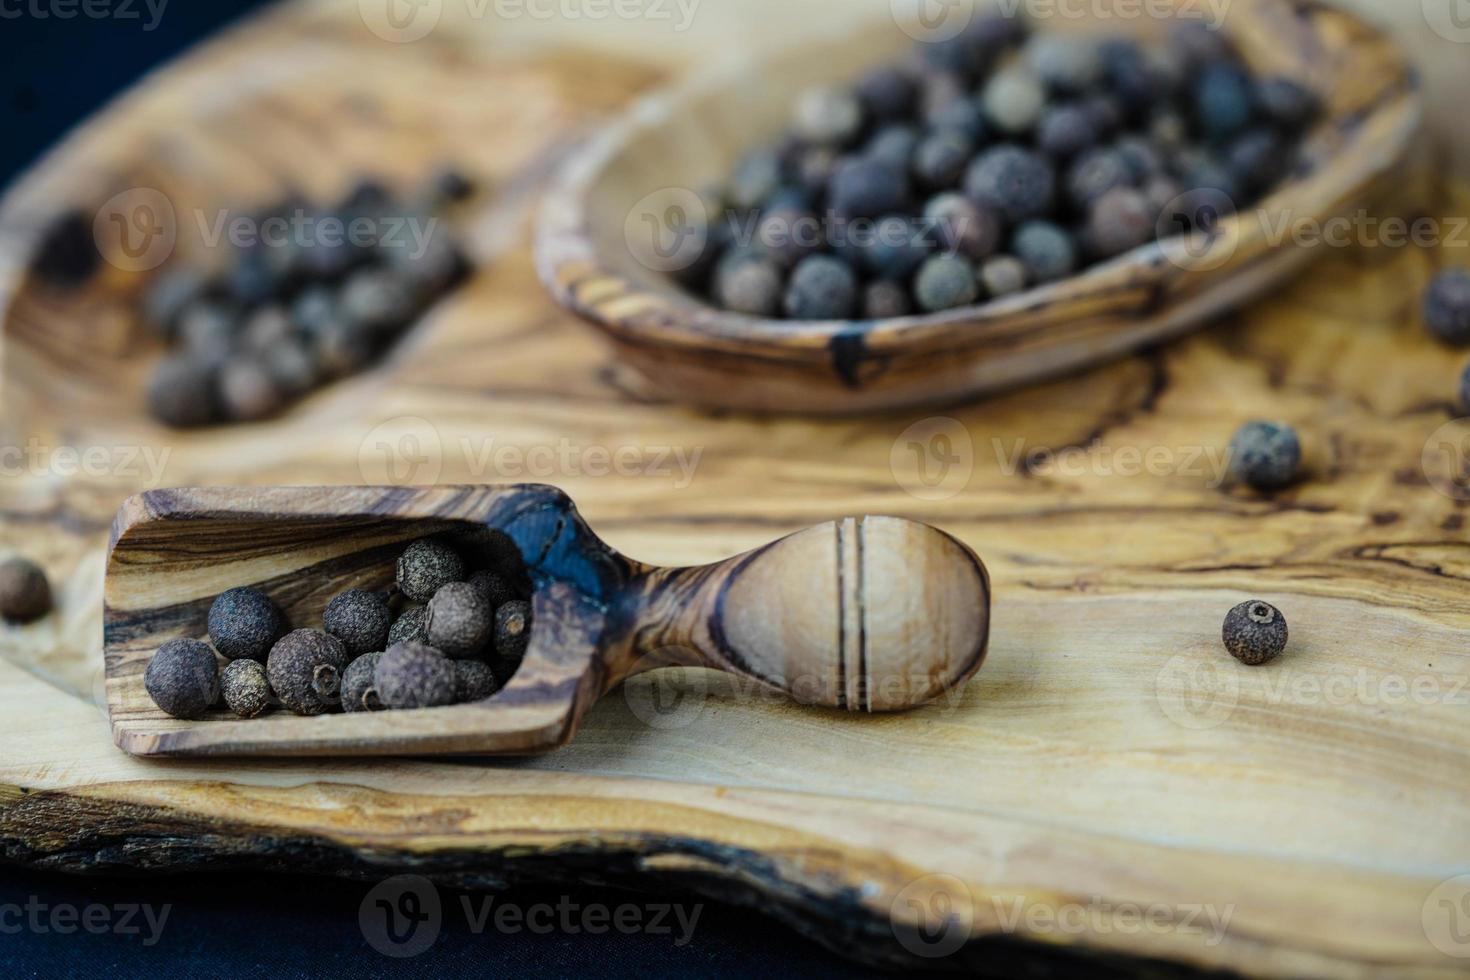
[868, 615]
[692, 137]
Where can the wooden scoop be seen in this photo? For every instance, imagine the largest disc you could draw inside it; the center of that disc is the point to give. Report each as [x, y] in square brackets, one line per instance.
[866, 614]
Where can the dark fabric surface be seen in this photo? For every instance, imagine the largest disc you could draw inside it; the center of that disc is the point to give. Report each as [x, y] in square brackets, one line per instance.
[255, 926]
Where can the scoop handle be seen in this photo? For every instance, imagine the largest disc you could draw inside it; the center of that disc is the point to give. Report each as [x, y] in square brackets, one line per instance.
[864, 614]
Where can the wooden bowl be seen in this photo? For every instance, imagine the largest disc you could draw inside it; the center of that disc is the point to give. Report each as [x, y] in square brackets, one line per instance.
[691, 137]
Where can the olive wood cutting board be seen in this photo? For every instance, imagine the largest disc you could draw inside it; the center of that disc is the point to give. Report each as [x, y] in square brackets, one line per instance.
[1109, 786]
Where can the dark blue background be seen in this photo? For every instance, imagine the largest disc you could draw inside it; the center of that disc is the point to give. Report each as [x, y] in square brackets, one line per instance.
[55, 74]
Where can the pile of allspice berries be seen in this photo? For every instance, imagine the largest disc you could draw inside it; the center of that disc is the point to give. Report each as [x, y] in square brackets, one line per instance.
[990, 163]
[452, 629]
[318, 294]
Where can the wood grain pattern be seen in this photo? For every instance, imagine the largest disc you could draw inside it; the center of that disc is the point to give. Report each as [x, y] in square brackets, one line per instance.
[1105, 755]
[893, 617]
[670, 146]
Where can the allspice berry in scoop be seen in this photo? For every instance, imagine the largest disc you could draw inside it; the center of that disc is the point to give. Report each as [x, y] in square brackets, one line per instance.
[359, 684]
[412, 675]
[360, 619]
[183, 678]
[244, 624]
[473, 681]
[245, 687]
[426, 566]
[1255, 632]
[25, 594]
[460, 623]
[494, 587]
[305, 670]
[409, 626]
[512, 635]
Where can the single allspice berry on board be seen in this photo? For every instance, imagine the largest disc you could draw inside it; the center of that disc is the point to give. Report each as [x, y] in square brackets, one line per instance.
[182, 678]
[360, 619]
[305, 670]
[413, 675]
[246, 690]
[1265, 455]
[460, 623]
[25, 594]
[244, 624]
[1255, 632]
[359, 684]
[426, 566]
[1447, 307]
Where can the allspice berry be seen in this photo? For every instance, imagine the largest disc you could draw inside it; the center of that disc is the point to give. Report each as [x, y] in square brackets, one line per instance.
[1265, 455]
[494, 587]
[460, 623]
[359, 684]
[1255, 632]
[412, 675]
[245, 687]
[305, 670]
[512, 635]
[1447, 307]
[409, 626]
[426, 566]
[25, 594]
[182, 678]
[244, 624]
[473, 681]
[360, 619]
